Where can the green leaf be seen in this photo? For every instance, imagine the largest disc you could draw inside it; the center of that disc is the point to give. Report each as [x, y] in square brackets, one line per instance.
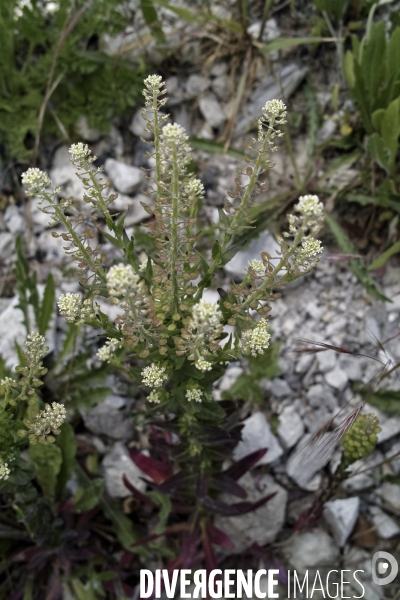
[348, 68]
[88, 497]
[123, 527]
[377, 117]
[117, 243]
[357, 267]
[393, 54]
[66, 442]
[383, 258]
[378, 151]
[48, 461]
[342, 161]
[282, 43]
[165, 505]
[212, 147]
[151, 18]
[386, 400]
[390, 129]
[47, 305]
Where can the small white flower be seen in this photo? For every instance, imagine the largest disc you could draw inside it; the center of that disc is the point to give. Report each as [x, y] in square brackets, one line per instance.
[203, 365]
[275, 110]
[255, 341]
[154, 397]
[36, 181]
[208, 315]
[257, 266]
[310, 206]
[173, 133]
[311, 247]
[4, 470]
[154, 376]
[196, 395]
[195, 187]
[36, 349]
[79, 153]
[121, 279]
[106, 352]
[74, 309]
[153, 82]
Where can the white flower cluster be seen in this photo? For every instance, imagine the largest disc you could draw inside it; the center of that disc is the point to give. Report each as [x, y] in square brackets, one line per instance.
[195, 187]
[153, 83]
[174, 133]
[36, 349]
[310, 206]
[275, 111]
[36, 181]
[8, 383]
[121, 279]
[255, 341]
[311, 247]
[205, 317]
[106, 352]
[257, 266]
[154, 376]
[74, 309]
[203, 365]
[4, 470]
[196, 395]
[173, 143]
[154, 397]
[79, 154]
[48, 420]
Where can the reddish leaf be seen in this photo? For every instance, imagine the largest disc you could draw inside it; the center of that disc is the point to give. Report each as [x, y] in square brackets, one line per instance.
[190, 541]
[243, 465]
[158, 471]
[233, 510]
[137, 493]
[228, 486]
[209, 556]
[218, 537]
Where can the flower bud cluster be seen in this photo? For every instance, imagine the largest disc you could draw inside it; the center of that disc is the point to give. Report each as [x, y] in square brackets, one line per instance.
[257, 267]
[74, 309]
[107, 351]
[36, 182]
[201, 333]
[81, 154]
[47, 421]
[255, 341]
[273, 113]
[121, 281]
[361, 440]
[154, 376]
[4, 470]
[196, 395]
[30, 374]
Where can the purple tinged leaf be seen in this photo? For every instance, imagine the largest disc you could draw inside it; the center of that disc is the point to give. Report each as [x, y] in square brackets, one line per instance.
[137, 493]
[243, 465]
[228, 485]
[218, 537]
[157, 470]
[233, 510]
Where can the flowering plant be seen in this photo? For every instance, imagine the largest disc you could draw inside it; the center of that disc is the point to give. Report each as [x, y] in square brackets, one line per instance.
[167, 336]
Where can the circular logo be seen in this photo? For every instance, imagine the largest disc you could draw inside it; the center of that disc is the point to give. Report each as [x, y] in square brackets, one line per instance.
[384, 568]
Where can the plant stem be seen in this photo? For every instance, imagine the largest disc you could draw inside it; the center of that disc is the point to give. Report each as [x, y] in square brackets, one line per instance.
[174, 230]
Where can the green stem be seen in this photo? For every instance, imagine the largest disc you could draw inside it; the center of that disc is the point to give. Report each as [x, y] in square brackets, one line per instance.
[156, 125]
[174, 230]
[67, 224]
[243, 203]
[275, 272]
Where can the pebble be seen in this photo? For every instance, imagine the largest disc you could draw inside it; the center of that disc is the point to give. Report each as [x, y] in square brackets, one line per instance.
[238, 266]
[341, 516]
[229, 378]
[244, 530]
[107, 419]
[290, 428]
[63, 174]
[117, 463]
[256, 434]
[212, 110]
[390, 494]
[126, 178]
[337, 378]
[326, 360]
[138, 124]
[196, 85]
[312, 549]
[385, 526]
[85, 132]
[14, 218]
